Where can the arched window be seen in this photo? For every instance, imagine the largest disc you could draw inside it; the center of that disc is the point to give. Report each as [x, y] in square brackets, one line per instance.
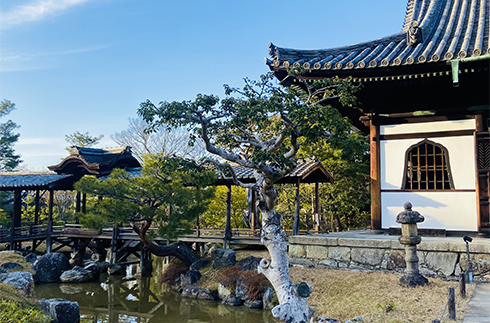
[427, 167]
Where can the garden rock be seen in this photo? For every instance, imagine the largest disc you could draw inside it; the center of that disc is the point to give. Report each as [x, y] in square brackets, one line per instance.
[232, 300]
[11, 266]
[240, 289]
[94, 268]
[189, 278]
[200, 264]
[77, 275]
[60, 310]
[249, 263]
[197, 293]
[267, 299]
[223, 258]
[223, 291]
[12, 251]
[254, 304]
[30, 257]
[49, 267]
[23, 281]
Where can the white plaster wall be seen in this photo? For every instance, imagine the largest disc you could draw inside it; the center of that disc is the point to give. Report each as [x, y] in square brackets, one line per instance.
[451, 211]
[443, 210]
[461, 152]
[467, 124]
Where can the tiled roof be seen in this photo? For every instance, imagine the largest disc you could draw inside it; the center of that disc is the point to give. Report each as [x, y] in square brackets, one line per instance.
[96, 161]
[304, 172]
[29, 180]
[434, 30]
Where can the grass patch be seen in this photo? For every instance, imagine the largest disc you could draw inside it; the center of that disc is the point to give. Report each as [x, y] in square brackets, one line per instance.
[14, 257]
[344, 294]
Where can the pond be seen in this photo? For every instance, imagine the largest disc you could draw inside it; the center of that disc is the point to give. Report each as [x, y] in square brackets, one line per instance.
[119, 299]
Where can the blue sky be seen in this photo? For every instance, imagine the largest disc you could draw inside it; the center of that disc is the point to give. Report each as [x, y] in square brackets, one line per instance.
[85, 65]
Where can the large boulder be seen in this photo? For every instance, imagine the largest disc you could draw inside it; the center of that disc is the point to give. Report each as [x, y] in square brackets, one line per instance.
[249, 263]
[49, 267]
[223, 258]
[77, 275]
[60, 310]
[23, 281]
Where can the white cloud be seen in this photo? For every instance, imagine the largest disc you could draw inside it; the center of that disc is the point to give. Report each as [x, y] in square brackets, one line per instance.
[35, 11]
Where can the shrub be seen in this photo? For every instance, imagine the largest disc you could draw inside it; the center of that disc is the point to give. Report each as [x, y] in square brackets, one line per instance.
[228, 276]
[173, 271]
[11, 312]
[256, 284]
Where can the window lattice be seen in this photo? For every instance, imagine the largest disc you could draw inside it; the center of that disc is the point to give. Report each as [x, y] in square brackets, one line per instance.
[427, 167]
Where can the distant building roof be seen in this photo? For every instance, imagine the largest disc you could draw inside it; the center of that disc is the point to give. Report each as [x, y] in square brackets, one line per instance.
[434, 30]
[95, 161]
[32, 181]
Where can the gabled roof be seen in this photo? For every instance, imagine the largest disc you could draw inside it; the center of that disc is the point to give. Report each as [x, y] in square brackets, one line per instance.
[95, 161]
[33, 181]
[434, 31]
[311, 171]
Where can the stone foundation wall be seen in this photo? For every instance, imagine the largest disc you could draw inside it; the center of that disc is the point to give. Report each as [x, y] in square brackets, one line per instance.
[444, 257]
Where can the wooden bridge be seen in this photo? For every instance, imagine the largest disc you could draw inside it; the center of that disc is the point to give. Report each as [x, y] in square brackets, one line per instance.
[121, 242]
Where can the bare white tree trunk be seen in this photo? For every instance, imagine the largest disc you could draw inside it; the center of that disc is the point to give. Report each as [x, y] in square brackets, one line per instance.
[292, 307]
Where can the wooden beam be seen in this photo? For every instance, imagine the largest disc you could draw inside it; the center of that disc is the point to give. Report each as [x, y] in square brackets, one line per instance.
[36, 208]
[374, 138]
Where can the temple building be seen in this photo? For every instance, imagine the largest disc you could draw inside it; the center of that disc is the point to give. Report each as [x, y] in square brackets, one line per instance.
[425, 104]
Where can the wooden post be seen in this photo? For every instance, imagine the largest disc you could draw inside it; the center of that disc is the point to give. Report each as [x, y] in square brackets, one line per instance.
[317, 207]
[198, 227]
[296, 211]
[113, 255]
[227, 236]
[78, 203]
[252, 211]
[462, 285]
[49, 244]
[451, 306]
[375, 176]
[36, 208]
[84, 203]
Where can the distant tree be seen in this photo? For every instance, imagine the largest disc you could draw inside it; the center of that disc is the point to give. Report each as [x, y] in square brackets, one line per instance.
[262, 127]
[215, 214]
[165, 141]
[170, 194]
[8, 159]
[82, 140]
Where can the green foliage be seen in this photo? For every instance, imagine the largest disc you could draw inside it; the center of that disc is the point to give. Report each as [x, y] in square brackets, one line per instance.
[82, 140]
[261, 122]
[348, 198]
[171, 191]
[8, 159]
[215, 215]
[11, 312]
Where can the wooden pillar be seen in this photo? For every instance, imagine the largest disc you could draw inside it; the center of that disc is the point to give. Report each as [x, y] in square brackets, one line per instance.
[115, 234]
[84, 203]
[375, 176]
[296, 211]
[227, 236]
[251, 209]
[36, 208]
[49, 243]
[78, 202]
[317, 207]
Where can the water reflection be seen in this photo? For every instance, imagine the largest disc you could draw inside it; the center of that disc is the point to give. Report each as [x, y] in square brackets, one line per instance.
[145, 300]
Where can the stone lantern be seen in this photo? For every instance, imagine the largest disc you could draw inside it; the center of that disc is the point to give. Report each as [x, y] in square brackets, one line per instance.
[410, 239]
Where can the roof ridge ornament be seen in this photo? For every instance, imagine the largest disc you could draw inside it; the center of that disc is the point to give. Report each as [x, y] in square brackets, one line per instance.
[414, 34]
